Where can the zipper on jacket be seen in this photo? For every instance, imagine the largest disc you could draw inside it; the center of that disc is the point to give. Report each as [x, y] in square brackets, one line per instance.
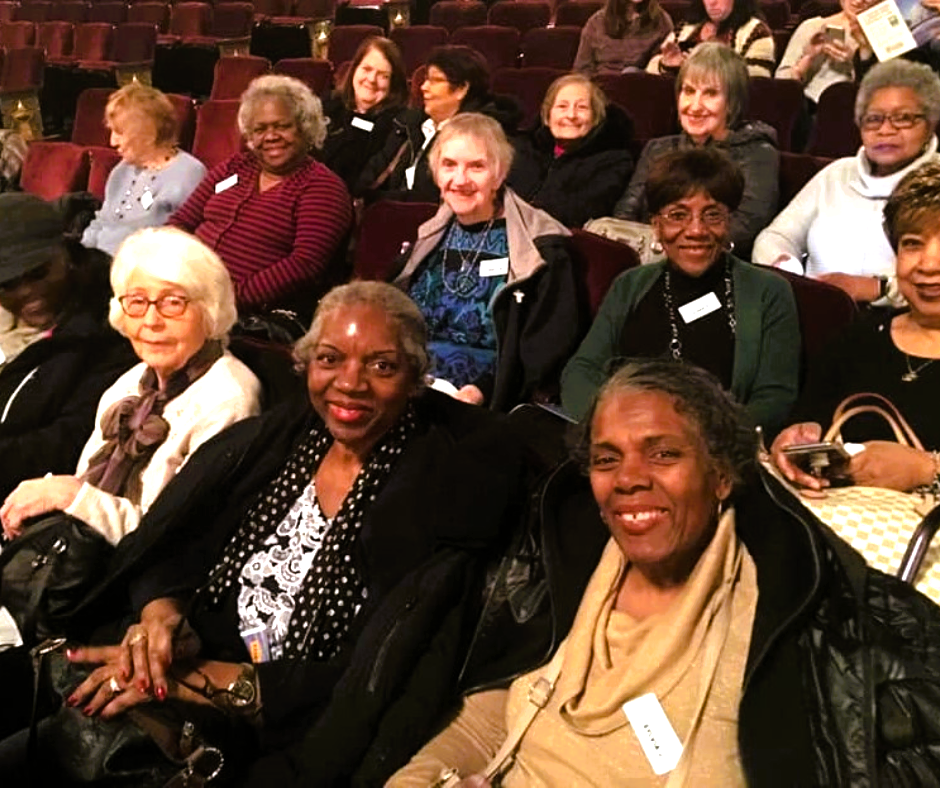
[382, 654]
[23, 382]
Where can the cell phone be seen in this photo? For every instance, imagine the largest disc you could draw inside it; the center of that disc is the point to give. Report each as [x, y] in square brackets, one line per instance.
[835, 34]
[820, 459]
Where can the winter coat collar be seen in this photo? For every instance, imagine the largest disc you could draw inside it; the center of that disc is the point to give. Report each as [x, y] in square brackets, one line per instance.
[880, 187]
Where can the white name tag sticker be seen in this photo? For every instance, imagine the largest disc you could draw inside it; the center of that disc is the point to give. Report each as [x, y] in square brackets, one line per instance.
[660, 744]
[410, 176]
[227, 183]
[146, 199]
[498, 266]
[700, 307]
[362, 123]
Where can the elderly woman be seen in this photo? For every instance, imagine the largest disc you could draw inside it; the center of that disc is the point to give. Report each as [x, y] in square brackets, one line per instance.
[577, 162]
[621, 36]
[831, 230]
[153, 177]
[331, 524]
[492, 275]
[892, 354]
[737, 24]
[705, 643]
[701, 304]
[457, 80]
[277, 217]
[362, 110]
[57, 352]
[173, 300]
[712, 94]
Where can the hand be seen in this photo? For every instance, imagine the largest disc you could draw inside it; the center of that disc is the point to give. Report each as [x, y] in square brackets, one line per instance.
[105, 691]
[932, 4]
[708, 32]
[838, 52]
[891, 465]
[35, 497]
[861, 288]
[864, 47]
[670, 54]
[795, 435]
[474, 781]
[470, 394]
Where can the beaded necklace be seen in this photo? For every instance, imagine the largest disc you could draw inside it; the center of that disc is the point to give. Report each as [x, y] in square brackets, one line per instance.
[675, 344]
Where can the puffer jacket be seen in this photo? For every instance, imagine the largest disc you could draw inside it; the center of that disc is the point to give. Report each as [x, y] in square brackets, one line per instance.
[753, 147]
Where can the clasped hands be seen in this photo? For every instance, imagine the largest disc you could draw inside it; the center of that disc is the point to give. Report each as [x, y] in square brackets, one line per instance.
[36, 497]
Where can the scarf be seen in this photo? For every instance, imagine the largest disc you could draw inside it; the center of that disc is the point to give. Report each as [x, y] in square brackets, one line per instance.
[134, 427]
[325, 608]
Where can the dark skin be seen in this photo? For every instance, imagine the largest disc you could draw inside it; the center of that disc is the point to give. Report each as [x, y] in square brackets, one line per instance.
[37, 298]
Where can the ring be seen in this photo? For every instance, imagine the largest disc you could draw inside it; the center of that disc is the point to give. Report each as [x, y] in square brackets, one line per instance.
[113, 687]
[137, 637]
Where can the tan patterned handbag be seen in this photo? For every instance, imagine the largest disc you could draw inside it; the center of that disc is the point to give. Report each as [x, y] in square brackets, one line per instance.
[893, 530]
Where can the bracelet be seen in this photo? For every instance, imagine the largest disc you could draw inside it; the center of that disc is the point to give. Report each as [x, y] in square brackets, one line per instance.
[934, 486]
[240, 697]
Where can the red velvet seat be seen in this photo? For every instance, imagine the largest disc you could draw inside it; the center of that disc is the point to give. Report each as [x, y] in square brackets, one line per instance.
[416, 43]
[345, 40]
[599, 261]
[415, 98]
[316, 74]
[22, 69]
[185, 108]
[74, 11]
[38, 11]
[17, 34]
[781, 39]
[524, 15]
[52, 169]
[455, 14]
[151, 13]
[304, 11]
[776, 12]
[835, 133]
[777, 102]
[217, 136]
[499, 45]
[110, 11]
[92, 42]
[229, 22]
[100, 163]
[650, 99]
[265, 10]
[56, 38]
[386, 226]
[527, 86]
[89, 128]
[576, 12]
[553, 47]
[812, 8]
[134, 44]
[233, 75]
[187, 20]
[677, 10]
[8, 9]
[796, 169]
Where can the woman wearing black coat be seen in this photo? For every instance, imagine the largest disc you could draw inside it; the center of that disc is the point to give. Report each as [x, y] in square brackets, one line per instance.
[577, 162]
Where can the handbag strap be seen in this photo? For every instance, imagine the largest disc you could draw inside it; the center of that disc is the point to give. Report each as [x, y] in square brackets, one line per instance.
[383, 176]
[38, 656]
[540, 692]
[848, 408]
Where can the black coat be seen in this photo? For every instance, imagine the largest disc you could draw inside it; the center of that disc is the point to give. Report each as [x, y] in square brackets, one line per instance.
[582, 183]
[347, 147]
[49, 394]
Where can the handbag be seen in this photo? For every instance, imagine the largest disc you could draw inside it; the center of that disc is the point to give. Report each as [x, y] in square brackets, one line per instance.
[636, 235]
[891, 529]
[47, 571]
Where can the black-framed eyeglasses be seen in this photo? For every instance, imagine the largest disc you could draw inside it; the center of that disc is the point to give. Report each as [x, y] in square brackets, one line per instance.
[281, 127]
[682, 217]
[167, 305]
[898, 120]
[33, 275]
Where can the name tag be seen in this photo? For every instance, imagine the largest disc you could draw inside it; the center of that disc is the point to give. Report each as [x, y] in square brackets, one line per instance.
[410, 176]
[700, 307]
[227, 183]
[362, 123]
[146, 199]
[660, 744]
[498, 266]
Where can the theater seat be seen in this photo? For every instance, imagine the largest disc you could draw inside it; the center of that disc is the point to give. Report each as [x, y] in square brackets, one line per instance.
[416, 43]
[314, 73]
[386, 226]
[649, 99]
[345, 40]
[499, 45]
[835, 133]
[524, 15]
[52, 169]
[599, 261]
[777, 102]
[455, 14]
[217, 136]
[527, 86]
[796, 169]
[100, 163]
[576, 12]
[552, 47]
[234, 74]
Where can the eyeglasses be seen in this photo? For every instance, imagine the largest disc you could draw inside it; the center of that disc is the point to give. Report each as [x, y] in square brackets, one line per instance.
[681, 217]
[168, 306]
[34, 275]
[898, 120]
[281, 127]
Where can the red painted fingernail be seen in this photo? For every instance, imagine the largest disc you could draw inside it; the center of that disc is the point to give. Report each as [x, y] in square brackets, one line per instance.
[70, 653]
[72, 701]
[142, 686]
[161, 693]
[88, 711]
[125, 674]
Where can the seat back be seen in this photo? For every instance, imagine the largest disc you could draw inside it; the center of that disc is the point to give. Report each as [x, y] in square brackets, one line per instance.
[553, 47]
[52, 169]
[110, 11]
[316, 74]
[454, 14]
[345, 40]
[56, 38]
[499, 45]
[386, 226]
[776, 12]
[185, 107]
[314, 9]
[677, 10]
[89, 127]
[527, 85]
[38, 11]
[232, 20]
[17, 34]
[650, 99]
[234, 74]
[8, 9]
[576, 12]
[599, 261]
[835, 133]
[416, 43]
[135, 42]
[190, 19]
[74, 11]
[796, 169]
[22, 69]
[269, 8]
[93, 41]
[152, 13]
[778, 102]
[100, 163]
[524, 15]
[217, 136]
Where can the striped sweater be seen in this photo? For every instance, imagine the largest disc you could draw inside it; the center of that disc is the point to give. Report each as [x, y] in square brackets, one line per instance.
[276, 243]
[753, 41]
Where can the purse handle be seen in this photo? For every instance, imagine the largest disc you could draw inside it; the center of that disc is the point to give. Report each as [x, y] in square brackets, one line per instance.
[847, 409]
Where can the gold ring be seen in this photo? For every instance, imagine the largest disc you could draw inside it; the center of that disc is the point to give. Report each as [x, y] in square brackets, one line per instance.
[137, 637]
[113, 686]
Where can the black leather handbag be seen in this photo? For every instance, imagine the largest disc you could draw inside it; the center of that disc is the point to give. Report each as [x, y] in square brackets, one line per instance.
[47, 570]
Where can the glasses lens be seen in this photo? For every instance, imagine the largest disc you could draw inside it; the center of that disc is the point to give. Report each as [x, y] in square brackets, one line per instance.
[171, 306]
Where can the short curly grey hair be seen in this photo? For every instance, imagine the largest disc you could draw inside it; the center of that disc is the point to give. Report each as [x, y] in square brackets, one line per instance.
[899, 73]
[295, 95]
[400, 309]
[484, 129]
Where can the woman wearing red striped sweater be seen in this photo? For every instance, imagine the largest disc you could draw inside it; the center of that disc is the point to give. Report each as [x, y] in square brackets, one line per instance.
[277, 217]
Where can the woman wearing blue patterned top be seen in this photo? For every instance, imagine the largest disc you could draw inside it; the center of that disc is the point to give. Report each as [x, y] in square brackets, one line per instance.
[492, 276]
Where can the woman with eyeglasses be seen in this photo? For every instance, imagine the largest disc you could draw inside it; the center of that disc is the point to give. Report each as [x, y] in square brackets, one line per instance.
[832, 229]
[276, 216]
[702, 304]
[173, 299]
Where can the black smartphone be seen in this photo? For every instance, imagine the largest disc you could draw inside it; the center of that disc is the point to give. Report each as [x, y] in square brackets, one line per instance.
[827, 459]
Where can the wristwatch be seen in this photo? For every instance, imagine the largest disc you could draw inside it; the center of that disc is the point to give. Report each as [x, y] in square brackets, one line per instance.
[239, 697]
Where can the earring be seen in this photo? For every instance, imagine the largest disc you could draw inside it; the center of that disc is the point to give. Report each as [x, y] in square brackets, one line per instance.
[729, 247]
[656, 247]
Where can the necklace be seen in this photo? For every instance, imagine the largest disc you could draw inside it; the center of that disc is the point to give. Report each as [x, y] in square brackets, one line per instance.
[912, 374]
[675, 344]
[464, 280]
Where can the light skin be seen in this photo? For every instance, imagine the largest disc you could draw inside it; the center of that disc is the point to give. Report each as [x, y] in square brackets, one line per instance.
[917, 332]
[359, 382]
[717, 11]
[821, 46]
[693, 247]
[571, 117]
[371, 80]
[441, 99]
[275, 139]
[134, 137]
[703, 110]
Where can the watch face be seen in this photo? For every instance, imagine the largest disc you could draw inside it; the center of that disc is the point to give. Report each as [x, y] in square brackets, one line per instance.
[242, 692]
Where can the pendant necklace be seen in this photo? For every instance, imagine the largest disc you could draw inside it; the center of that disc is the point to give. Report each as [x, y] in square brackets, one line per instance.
[912, 374]
[464, 280]
[675, 344]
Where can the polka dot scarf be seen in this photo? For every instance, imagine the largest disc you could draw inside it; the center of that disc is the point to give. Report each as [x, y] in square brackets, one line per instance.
[333, 587]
